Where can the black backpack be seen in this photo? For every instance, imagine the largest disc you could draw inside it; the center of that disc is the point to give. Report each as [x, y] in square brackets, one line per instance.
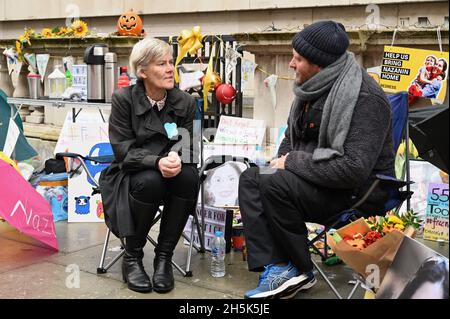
[53, 165]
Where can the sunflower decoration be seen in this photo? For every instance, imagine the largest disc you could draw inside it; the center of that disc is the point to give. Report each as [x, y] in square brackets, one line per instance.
[79, 28]
[63, 31]
[47, 33]
[22, 41]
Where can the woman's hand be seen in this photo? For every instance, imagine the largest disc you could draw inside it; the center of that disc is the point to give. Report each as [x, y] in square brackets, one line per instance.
[170, 166]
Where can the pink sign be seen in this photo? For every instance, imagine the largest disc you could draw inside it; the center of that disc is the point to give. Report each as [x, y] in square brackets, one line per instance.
[24, 208]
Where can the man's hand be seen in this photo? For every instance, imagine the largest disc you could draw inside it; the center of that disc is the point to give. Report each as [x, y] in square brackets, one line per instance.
[170, 166]
[278, 162]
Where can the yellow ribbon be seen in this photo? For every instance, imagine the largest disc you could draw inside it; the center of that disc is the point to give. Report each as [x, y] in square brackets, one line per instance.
[188, 41]
[208, 81]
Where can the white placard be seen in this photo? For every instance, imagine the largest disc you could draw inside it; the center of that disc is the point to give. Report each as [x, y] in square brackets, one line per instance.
[237, 130]
[88, 137]
[215, 219]
[248, 151]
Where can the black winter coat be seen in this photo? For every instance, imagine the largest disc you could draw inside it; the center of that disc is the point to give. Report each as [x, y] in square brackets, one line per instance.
[138, 138]
[368, 148]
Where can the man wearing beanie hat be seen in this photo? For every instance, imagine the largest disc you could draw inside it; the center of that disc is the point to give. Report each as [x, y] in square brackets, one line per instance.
[339, 137]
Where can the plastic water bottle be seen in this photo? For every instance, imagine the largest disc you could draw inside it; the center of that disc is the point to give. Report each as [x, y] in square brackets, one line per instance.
[218, 255]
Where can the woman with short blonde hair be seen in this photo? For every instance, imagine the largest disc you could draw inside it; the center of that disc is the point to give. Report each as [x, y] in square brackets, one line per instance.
[146, 51]
[148, 171]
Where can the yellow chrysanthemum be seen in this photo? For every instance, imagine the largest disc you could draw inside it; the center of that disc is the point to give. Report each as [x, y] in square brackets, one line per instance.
[47, 33]
[399, 226]
[80, 28]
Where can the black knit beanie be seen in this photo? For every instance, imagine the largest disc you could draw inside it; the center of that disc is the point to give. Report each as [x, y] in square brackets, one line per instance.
[322, 42]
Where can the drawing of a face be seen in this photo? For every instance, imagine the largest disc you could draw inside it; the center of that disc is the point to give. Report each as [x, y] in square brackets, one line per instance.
[223, 185]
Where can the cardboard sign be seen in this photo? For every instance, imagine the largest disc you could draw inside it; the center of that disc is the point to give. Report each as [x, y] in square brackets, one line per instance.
[237, 130]
[239, 150]
[88, 137]
[436, 223]
[216, 219]
[421, 73]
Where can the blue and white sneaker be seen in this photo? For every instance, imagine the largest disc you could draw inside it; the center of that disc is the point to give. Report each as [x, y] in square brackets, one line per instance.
[281, 282]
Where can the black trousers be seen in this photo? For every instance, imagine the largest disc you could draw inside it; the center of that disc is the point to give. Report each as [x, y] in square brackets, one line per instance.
[151, 187]
[178, 194]
[275, 204]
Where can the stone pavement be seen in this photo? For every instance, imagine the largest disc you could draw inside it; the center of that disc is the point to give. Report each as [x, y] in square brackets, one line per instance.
[29, 270]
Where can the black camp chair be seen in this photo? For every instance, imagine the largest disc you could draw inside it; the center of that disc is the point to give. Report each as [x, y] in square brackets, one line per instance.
[399, 106]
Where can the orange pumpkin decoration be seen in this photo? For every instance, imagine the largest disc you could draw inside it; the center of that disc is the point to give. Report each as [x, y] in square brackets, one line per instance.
[130, 24]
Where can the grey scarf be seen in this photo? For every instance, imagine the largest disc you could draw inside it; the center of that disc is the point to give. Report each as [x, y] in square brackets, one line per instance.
[343, 79]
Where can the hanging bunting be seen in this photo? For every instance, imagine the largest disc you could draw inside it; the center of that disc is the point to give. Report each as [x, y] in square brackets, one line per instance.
[231, 57]
[271, 83]
[247, 73]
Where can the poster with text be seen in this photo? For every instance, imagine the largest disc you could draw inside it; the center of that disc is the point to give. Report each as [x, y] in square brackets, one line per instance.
[216, 219]
[88, 136]
[421, 73]
[436, 223]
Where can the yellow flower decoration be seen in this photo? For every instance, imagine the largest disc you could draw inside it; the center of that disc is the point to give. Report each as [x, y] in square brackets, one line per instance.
[399, 227]
[80, 28]
[19, 48]
[47, 33]
[395, 220]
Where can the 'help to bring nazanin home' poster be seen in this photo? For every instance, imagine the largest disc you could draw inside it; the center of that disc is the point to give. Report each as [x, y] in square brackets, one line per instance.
[421, 73]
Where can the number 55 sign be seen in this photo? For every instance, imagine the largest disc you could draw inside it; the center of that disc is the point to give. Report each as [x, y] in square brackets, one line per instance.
[436, 226]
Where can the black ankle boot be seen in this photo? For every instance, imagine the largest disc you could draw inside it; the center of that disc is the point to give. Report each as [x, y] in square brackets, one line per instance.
[163, 276]
[133, 271]
[174, 217]
[132, 268]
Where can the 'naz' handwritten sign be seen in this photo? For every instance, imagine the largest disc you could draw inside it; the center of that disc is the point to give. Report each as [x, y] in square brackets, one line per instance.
[33, 222]
[236, 130]
[436, 226]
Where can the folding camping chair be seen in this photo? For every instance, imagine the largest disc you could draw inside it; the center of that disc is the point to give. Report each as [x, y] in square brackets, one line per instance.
[96, 189]
[399, 106]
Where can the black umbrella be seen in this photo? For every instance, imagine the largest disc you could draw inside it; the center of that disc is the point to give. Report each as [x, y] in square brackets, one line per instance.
[430, 136]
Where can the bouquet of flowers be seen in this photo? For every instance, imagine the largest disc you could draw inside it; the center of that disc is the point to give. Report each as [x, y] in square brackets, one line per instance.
[374, 241]
[380, 226]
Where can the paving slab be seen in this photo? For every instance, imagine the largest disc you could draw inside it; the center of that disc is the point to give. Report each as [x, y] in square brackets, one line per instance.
[47, 280]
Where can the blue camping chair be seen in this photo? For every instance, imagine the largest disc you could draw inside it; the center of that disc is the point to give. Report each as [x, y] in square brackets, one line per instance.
[399, 105]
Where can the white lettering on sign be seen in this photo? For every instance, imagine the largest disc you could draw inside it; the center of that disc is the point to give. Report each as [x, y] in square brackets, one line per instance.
[236, 130]
[38, 223]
